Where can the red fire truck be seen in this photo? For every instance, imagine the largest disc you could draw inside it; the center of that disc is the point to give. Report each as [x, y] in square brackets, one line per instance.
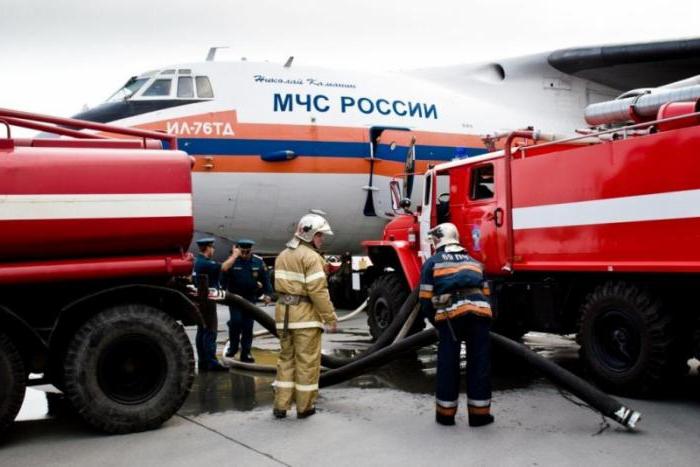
[94, 232]
[598, 235]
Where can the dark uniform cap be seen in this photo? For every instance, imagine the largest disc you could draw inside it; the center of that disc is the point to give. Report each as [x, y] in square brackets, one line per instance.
[245, 243]
[206, 241]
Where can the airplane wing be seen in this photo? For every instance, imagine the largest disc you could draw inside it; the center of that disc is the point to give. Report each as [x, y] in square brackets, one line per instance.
[628, 66]
[613, 68]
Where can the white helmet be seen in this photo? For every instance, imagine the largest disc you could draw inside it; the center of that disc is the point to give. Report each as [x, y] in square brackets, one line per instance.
[308, 226]
[444, 234]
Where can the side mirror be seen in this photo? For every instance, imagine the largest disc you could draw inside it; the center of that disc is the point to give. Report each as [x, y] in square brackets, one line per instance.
[395, 195]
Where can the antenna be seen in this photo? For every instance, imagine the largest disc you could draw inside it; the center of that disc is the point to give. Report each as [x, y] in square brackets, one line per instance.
[212, 52]
[289, 61]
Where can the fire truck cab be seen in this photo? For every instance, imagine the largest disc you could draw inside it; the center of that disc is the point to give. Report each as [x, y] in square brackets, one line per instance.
[596, 235]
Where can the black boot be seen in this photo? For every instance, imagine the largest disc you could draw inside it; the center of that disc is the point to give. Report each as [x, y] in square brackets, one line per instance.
[480, 420]
[279, 413]
[444, 419]
[217, 367]
[306, 414]
[247, 358]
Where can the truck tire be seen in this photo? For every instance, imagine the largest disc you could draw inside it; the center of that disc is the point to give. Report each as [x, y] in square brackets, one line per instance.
[128, 369]
[626, 340]
[511, 330]
[696, 339]
[13, 382]
[386, 295]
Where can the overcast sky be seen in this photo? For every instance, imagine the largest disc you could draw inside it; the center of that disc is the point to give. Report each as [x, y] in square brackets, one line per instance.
[58, 55]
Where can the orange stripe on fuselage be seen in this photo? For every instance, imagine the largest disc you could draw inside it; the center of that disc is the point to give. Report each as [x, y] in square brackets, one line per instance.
[303, 164]
[301, 132]
[335, 165]
[277, 131]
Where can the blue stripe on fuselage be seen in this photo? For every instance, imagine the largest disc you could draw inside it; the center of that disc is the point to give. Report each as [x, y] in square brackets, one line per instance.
[235, 147]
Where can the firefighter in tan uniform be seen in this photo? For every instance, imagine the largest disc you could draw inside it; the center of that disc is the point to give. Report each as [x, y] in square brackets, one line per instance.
[303, 309]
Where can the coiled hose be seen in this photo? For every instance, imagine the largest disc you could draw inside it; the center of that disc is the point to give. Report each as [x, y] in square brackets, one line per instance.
[328, 361]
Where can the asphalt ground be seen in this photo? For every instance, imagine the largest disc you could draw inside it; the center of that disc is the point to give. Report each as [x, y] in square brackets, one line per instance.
[385, 417]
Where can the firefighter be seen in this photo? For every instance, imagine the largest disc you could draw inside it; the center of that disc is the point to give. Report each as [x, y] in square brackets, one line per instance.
[206, 335]
[453, 299]
[248, 278]
[302, 310]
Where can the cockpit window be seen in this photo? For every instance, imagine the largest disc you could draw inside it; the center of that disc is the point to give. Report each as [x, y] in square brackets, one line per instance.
[184, 71]
[160, 87]
[168, 72]
[185, 87]
[204, 87]
[128, 90]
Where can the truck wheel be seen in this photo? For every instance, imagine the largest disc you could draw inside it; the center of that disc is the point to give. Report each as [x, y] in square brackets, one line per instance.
[696, 339]
[385, 299]
[13, 382]
[513, 331]
[626, 340]
[128, 369]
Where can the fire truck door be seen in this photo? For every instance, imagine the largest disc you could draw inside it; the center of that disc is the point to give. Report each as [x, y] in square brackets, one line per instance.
[483, 216]
[427, 216]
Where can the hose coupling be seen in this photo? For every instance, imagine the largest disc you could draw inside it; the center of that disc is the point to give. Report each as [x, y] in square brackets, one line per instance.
[627, 417]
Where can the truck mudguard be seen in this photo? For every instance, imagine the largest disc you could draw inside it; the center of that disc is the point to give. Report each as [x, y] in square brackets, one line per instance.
[399, 255]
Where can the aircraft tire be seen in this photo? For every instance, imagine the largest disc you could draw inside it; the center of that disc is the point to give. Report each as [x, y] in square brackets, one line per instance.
[13, 378]
[627, 342]
[128, 369]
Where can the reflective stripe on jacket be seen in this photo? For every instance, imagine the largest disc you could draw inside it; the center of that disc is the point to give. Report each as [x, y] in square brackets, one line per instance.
[458, 274]
[299, 271]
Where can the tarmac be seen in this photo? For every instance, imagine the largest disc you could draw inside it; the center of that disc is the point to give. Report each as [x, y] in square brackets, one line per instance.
[385, 417]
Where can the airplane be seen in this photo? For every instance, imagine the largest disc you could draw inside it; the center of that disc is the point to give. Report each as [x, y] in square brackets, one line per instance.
[274, 141]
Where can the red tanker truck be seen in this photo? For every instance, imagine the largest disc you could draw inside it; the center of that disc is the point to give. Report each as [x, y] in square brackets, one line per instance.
[94, 232]
[598, 236]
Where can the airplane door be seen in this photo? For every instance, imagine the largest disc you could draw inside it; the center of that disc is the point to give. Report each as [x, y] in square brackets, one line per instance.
[389, 146]
[483, 215]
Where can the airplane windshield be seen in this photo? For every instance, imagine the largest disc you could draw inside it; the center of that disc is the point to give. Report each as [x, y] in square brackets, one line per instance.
[128, 90]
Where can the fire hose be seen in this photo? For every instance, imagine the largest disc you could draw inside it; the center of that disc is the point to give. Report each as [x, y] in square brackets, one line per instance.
[382, 352]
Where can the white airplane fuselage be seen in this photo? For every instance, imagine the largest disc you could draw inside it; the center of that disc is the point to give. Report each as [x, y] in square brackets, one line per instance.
[272, 143]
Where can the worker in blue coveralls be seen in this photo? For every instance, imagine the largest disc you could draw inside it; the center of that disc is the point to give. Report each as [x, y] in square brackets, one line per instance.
[248, 278]
[452, 297]
[206, 335]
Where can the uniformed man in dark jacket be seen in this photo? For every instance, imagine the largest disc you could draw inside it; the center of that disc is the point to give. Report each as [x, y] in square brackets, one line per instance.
[452, 297]
[248, 278]
[206, 336]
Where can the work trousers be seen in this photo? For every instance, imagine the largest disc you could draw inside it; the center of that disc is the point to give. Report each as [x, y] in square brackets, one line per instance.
[205, 340]
[475, 331]
[240, 331]
[298, 369]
